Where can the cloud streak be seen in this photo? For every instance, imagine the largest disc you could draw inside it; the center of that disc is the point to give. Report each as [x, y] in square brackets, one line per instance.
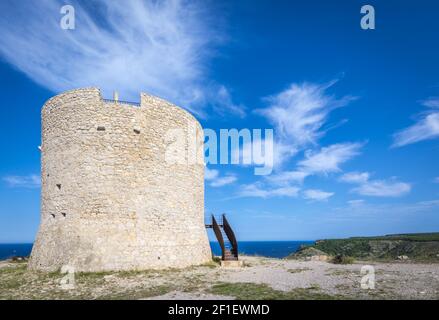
[288, 177]
[161, 47]
[299, 115]
[222, 102]
[425, 128]
[355, 177]
[257, 190]
[31, 181]
[375, 188]
[432, 102]
[223, 181]
[300, 112]
[216, 180]
[381, 188]
[329, 159]
[317, 195]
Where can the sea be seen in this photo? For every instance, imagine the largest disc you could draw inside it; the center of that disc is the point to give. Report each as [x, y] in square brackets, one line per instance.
[273, 249]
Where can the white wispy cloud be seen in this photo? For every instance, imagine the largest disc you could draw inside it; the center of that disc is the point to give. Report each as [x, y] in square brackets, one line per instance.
[355, 177]
[300, 112]
[223, 181]
[161, 47]
[325, 161]
[210, 174]
[382, 188]
[274, 152]
[299, 115]
[216, 180]
[288, 177]
[382, 211]
[375, 188]
[425, 128]
[427, 204]
[328, 159]
[257, 190]
[356, 202]
[30, 181]
[222, 102]
[432, 102]
[317, 195]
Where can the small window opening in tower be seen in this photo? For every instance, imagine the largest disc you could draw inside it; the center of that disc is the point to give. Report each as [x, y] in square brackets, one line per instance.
[101, 128]
[58, 185]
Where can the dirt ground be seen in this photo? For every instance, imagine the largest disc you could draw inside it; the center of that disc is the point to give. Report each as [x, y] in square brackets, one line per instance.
[260, 278]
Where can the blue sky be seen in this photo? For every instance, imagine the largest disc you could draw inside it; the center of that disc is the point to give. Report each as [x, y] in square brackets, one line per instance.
[355, 112]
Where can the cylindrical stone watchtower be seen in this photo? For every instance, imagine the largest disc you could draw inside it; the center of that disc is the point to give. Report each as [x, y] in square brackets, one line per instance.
[110, 197]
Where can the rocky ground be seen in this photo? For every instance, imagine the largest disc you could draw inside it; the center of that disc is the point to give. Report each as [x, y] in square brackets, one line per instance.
[260, 278]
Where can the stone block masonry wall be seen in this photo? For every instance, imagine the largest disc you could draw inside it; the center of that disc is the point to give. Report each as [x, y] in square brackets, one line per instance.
[110, 201]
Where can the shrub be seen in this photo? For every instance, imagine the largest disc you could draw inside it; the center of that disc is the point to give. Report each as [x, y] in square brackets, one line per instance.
[342, 259]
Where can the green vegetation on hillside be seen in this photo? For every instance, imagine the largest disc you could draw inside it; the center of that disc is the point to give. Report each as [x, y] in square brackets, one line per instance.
[305, 252]
[417, 247]
[434, 236]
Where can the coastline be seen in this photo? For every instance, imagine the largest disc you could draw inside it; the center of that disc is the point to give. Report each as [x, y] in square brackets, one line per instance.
[273, 249]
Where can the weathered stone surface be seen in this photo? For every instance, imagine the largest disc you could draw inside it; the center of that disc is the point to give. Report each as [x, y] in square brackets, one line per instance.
[110, 201]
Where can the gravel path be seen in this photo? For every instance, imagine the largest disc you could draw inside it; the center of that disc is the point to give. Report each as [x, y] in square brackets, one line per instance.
[392, 280]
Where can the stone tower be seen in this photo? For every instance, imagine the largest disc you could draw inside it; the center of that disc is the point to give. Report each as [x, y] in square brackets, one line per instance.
[110, 200]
